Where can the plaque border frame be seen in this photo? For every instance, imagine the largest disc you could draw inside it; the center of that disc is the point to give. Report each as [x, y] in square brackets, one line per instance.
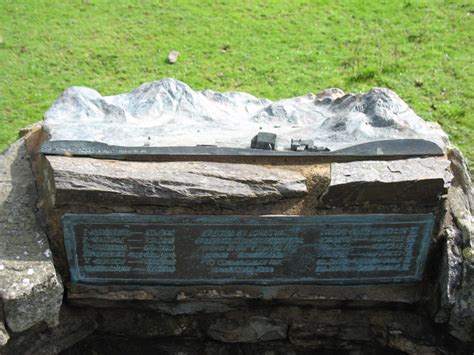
[70, 219]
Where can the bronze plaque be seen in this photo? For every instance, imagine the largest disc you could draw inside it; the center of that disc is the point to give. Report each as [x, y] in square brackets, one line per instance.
[266, 250]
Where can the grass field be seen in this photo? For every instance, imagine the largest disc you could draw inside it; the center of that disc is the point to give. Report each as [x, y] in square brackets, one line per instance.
[423, 50]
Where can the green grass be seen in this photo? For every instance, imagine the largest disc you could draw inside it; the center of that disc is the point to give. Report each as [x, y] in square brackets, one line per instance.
[421, 49]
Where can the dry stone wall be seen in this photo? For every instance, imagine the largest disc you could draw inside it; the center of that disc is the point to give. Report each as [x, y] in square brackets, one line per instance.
[42, 312]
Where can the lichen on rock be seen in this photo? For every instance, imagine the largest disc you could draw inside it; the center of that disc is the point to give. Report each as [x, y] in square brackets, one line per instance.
[30, 289]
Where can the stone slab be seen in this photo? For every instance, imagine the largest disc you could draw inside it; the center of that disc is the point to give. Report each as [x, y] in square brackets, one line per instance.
[421, 180]
[218, 298]
[74, 325]
[30, 289]
[269, 250]
[81, 180]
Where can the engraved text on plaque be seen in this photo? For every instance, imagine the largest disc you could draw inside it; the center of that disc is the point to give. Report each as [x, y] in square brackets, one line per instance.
[269, 250]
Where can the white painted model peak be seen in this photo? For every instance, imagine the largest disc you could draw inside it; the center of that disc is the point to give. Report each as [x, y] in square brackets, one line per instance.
[169, 113]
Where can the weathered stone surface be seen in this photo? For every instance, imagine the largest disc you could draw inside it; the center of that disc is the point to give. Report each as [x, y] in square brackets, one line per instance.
[462, 177]
[3, 335]
[29, 286]
[221, 299]
[451, 272]
[170, 113]
[236, 328]
[461, 197]
[346, 329]
[174, 345]
[74, 325]
[270, 327]
[461, 205]
[421, 180]
[145, 324]
[79, 180]
[462, 314]
[111, 345]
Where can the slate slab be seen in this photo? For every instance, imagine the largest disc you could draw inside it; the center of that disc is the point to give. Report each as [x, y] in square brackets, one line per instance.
[398, 148]
[421, 180]
[79, 180]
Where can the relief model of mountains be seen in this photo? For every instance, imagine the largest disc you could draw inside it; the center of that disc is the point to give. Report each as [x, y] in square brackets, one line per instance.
[169, 113]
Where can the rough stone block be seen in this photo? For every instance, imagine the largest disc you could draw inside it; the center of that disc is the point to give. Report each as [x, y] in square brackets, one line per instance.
[29, 286]
[74, 325]
[80, 180]
[235, 328]
[420, 180]
[3, 335]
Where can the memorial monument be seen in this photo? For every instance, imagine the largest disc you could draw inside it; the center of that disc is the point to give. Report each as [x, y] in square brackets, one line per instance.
[173, 220]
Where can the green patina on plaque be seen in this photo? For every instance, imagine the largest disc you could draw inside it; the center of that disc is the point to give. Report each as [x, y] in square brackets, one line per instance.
[267, 250]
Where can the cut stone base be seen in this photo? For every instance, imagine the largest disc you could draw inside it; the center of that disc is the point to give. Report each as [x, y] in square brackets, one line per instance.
[433, 316]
